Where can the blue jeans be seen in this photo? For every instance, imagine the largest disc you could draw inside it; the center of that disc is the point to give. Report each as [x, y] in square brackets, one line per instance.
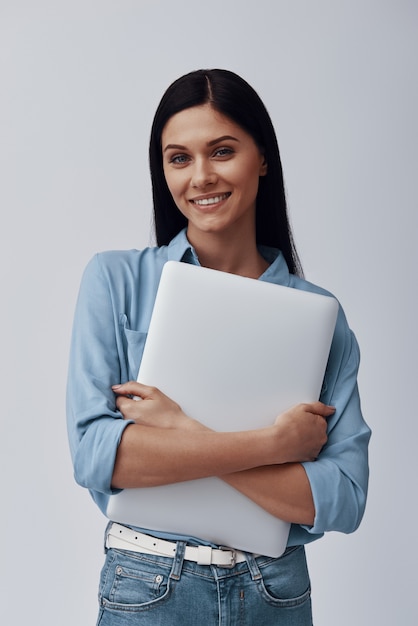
[159, 591]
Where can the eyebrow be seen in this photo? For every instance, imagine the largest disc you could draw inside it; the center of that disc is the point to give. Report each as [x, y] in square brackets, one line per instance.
[174, 146]
[223, 138]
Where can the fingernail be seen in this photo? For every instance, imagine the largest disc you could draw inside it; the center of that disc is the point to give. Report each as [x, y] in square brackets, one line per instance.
[116, 386]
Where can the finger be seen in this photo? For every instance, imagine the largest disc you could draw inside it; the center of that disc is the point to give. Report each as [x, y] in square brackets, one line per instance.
[319, 408]
[133, 388]
[123, 403]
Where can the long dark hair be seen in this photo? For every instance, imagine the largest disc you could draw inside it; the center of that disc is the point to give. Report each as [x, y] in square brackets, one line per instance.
[232, 96]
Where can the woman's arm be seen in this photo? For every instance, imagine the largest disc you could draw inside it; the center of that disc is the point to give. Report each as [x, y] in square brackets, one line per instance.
[150, 456]
[330, 493]
[164, 445]
[282, 490]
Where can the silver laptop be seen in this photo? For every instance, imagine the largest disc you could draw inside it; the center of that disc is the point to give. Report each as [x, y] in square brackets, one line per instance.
[234, 352]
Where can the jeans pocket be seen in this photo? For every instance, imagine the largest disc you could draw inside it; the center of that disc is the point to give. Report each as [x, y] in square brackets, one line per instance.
[131, 583]
[285, 581]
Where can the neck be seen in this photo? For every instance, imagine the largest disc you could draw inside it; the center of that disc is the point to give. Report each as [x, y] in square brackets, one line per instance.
[233, 254]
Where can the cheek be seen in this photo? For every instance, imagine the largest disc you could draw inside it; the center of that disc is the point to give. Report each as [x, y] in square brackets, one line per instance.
[176, 189]
[249, 182]
[245, 174]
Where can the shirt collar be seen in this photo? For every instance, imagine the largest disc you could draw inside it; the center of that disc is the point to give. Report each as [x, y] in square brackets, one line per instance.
[180, 249]
[277, 272]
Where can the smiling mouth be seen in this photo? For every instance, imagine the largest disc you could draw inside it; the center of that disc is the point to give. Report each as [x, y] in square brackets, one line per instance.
[213, 200]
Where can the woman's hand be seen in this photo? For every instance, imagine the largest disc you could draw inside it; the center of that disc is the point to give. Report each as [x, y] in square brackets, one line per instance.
[164, 445]
[154, 408]
[304, 430]
[300, 432]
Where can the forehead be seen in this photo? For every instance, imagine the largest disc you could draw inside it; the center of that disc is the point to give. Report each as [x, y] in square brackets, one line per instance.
[200, 123]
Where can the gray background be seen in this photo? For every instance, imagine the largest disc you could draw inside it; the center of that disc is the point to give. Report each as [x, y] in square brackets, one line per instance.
[80, 80]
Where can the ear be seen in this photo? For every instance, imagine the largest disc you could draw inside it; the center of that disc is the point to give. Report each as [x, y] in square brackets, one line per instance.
[263, 167]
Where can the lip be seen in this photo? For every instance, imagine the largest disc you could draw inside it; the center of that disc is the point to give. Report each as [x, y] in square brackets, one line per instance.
[210, 200]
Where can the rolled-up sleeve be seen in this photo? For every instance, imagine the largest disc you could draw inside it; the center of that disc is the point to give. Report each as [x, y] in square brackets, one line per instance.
[339, 477]
[94, 424]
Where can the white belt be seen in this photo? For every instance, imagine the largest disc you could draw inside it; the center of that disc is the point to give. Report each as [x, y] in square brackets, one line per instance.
[124, 538]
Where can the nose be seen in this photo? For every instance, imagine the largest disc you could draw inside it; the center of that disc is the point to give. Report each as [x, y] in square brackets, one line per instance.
[202, 174]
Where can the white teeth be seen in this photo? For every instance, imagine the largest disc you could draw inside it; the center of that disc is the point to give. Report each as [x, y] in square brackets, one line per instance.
[206, 201]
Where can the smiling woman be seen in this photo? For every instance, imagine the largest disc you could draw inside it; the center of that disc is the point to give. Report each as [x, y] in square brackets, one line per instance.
[212, 169]
[218, 202]
[233, 98]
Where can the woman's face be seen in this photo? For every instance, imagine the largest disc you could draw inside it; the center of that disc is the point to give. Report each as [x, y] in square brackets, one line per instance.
[212, 168]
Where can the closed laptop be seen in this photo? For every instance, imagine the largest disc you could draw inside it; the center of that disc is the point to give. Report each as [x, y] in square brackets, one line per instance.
[234, 352]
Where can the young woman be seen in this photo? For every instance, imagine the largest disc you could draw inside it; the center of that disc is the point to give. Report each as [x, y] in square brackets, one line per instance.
[219, 202]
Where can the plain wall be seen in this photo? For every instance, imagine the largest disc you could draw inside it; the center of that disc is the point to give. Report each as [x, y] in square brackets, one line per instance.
[79, 83]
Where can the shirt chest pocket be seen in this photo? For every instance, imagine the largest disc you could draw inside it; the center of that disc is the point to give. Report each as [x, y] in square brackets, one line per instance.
[133, 343]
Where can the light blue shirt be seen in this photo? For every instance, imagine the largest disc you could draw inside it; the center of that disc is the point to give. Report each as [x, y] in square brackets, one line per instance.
[111, 321]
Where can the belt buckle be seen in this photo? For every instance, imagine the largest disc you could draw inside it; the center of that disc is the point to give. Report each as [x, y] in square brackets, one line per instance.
[233, 557]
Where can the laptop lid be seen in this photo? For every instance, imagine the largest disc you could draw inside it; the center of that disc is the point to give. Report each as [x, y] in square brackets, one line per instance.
[234, 352]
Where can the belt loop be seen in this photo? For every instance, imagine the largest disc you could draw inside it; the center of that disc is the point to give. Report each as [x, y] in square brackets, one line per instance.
[253, 567]
[178, 560]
